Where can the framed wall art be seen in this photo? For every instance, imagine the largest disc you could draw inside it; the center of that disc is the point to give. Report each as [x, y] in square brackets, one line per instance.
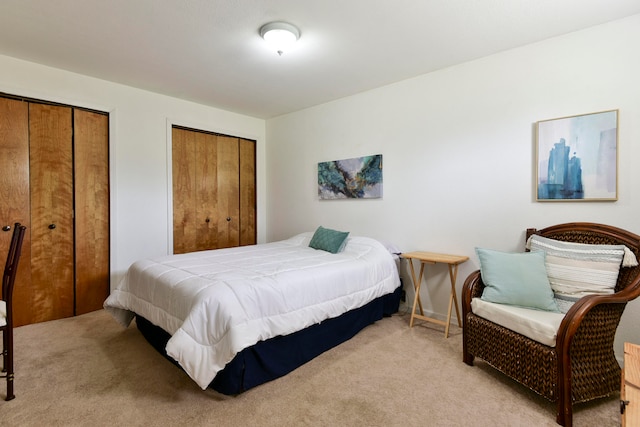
[577, 158]
[356, 178]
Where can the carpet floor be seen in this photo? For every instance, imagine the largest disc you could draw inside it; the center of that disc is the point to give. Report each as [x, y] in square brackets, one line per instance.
[88, 370]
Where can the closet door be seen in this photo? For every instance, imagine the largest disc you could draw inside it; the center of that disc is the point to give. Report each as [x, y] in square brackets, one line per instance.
[183, 154]
[14, 194]
[228, 212]
[51, 182]
[214, 195]
[62, 196]
[91, 168]
[206, 206]
[247, 192]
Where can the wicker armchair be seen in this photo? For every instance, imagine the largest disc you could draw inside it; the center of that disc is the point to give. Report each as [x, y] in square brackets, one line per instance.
[582, 365]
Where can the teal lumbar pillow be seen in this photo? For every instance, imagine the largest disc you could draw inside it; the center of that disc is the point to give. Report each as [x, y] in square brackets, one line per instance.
[328, 240]
[518, 279]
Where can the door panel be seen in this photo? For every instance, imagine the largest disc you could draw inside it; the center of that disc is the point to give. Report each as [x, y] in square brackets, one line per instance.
[228, 215]
[206, 191]
[14, 197]
[91, 154]
[247, 192]
[51, 182]
[184, 183]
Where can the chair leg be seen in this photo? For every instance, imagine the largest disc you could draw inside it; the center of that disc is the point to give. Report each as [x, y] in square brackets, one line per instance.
[4, 351]
[565, 413]
[7, 367]
[10, 395]
[467, 358]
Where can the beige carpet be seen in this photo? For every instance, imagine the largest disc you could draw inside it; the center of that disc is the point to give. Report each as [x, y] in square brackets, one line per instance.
[88, 370]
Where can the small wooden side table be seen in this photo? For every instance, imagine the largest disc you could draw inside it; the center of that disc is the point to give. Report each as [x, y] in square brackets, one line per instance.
[431, 258]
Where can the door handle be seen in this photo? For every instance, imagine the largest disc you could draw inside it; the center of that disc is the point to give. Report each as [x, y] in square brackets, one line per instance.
[623, 406]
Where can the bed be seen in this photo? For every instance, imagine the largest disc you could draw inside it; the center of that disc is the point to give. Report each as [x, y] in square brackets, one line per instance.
[238, 317]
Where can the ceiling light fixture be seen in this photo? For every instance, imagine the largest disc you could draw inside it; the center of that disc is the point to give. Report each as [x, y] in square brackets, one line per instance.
[281, 36]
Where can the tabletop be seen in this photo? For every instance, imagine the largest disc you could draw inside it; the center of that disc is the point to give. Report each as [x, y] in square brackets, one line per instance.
[435, 257]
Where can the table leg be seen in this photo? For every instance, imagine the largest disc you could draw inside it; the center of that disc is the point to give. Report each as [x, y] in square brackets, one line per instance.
[416, 288]
[453, 299]
[453, 274]
[419, 284]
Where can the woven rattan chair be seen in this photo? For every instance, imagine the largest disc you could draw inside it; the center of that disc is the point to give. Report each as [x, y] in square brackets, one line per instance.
[582, 365]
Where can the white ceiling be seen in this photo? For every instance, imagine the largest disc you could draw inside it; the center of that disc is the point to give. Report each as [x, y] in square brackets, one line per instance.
[210, 52]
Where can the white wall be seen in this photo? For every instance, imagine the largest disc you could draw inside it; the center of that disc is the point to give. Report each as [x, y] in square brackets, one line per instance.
[458, 148]
[139, 158]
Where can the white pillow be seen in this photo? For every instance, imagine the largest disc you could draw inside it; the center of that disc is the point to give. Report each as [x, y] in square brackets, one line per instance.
[578, 269]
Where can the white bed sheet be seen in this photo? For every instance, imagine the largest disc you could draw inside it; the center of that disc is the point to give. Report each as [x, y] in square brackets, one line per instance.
[216, 303]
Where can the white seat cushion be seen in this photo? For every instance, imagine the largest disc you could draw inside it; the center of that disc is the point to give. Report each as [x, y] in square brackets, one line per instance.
[541, 326]
[3, 313]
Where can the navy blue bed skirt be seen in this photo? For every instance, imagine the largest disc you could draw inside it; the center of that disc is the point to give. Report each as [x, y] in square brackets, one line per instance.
[275, 357]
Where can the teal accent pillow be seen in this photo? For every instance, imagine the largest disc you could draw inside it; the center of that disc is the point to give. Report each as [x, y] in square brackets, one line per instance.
[328, 240]
[518, 279]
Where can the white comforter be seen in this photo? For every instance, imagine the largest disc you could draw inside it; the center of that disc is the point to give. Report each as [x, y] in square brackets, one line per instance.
[216, 303]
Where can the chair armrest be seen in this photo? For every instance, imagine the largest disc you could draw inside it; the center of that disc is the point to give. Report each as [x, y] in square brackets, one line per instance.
[585, 338]
[472, 288]
[585, 307]
[615, 302]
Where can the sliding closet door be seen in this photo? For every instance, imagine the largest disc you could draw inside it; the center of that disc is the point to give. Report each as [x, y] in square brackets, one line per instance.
[14, 193]
[51, 182]
[91, 167]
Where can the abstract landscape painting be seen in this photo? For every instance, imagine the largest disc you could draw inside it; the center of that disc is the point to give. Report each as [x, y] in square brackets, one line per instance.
[577, 158]
[356, 178]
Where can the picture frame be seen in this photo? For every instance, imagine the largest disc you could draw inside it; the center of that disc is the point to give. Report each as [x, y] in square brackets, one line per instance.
[355, 178]
[577, 158]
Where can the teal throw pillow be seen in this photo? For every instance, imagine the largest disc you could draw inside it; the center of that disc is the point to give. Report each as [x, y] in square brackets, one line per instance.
[329, 240]
[518, 279]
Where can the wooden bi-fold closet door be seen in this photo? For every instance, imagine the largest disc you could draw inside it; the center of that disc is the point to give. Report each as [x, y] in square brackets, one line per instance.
[91, 202]
[214, 196]
[51, 185]
[54, 173]
[14, 194]
[247, 186]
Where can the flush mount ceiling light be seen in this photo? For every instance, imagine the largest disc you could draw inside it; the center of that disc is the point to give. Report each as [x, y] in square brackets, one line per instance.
[281, 36]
